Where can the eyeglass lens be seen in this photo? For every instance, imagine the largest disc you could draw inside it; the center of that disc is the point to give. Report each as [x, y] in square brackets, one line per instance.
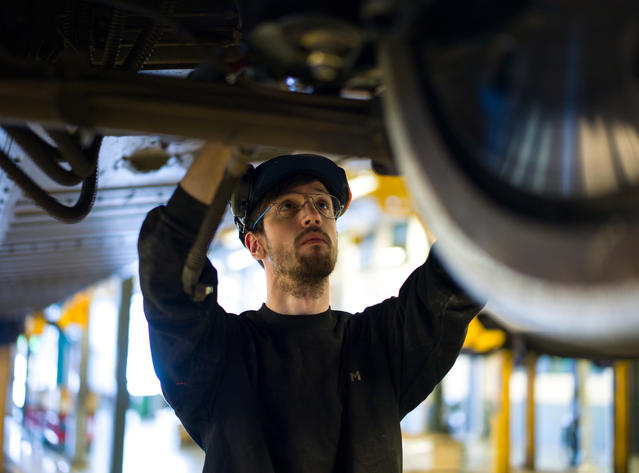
[327, 205]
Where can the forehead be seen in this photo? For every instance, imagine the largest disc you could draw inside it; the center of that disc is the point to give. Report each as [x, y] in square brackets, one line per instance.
[308, 188]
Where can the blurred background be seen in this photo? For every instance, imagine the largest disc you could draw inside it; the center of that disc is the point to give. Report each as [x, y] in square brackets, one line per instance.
[81, 393]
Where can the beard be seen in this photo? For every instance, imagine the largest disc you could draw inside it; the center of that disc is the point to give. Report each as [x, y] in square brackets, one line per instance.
[304, 275]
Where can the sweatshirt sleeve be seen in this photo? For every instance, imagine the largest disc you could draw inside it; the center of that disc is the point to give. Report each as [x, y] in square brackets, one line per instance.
[188, 339]
[423, 330]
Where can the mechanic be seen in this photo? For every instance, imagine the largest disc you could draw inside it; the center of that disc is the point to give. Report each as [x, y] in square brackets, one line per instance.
[294, 386]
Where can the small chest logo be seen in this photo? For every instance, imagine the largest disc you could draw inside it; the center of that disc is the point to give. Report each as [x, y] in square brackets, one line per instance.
[355, 376]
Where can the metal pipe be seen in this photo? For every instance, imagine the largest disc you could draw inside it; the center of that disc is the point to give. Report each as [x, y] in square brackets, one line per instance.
[197, 256]
[116, 103]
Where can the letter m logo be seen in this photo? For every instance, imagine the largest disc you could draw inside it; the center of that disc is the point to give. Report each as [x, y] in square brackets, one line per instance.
[355, 376]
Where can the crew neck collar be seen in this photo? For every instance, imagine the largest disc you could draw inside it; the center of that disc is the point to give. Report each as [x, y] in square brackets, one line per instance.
[322, 319]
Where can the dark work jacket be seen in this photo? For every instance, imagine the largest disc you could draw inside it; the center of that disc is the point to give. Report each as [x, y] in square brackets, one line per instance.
[262, 392]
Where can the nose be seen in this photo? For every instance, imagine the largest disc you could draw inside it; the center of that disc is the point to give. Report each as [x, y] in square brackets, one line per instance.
[309, 214]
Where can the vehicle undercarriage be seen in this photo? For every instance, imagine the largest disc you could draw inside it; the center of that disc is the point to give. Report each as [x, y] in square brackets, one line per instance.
[512, 123]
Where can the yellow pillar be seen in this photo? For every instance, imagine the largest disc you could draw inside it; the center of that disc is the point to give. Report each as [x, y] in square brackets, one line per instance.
[530, 411]
[501, 423]
[621, 413]
[5, 356]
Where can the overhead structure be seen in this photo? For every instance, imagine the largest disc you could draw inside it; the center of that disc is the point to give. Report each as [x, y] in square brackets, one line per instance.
[513, 123]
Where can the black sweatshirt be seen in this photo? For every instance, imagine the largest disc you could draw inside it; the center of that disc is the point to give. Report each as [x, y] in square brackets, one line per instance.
[262, 392]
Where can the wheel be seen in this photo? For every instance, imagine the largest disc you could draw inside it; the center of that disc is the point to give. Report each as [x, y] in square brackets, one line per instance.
[519, 145]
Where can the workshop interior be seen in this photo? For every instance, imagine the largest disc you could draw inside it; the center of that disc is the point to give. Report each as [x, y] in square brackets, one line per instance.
[505, 130]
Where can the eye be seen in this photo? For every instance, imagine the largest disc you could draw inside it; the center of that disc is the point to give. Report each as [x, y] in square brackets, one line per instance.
[288, 206]
[324, 203]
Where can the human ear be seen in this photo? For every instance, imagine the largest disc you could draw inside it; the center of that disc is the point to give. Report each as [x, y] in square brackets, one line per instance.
[254, 245]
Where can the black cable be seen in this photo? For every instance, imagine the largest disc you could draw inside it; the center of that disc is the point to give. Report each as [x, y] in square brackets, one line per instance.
[69, 6]
[158, 17]
[145, 44]
[66, 214]
[114, 38]
[85, 31]
[43, 154]
[47, 156]
[81, 165]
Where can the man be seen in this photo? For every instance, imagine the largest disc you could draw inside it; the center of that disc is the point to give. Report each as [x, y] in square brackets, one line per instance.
[294, 386]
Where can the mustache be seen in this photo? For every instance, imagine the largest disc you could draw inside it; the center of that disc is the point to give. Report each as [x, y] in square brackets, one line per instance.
[300, 237]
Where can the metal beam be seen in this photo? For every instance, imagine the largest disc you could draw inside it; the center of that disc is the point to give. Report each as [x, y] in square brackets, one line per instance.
[247, 113]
